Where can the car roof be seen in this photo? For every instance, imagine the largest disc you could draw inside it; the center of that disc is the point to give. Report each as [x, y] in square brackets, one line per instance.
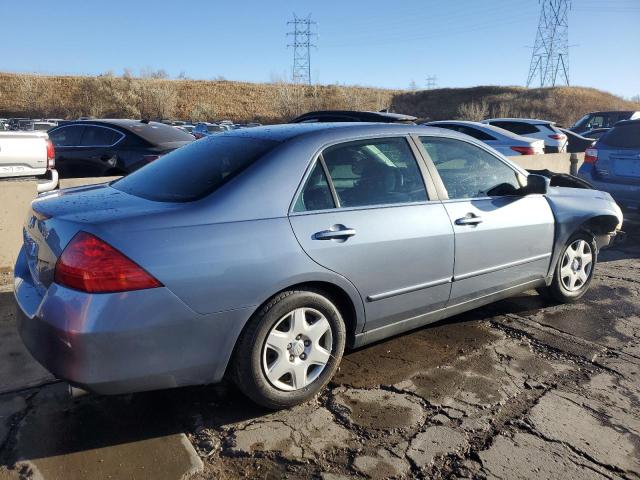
[534, 121]
[364, 115]
[627, 122]
[133, 127]
[337, 130]
[611, 111]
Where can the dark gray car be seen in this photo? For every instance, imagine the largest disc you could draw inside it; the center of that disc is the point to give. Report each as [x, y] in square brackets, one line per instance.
[262, 253]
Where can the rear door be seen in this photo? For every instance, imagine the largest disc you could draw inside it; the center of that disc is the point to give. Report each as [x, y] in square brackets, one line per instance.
[66, 140]
[97, 153]
[501, 240]
[364, 213]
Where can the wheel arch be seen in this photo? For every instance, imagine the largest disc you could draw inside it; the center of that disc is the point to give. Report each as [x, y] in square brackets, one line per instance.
[346, 299]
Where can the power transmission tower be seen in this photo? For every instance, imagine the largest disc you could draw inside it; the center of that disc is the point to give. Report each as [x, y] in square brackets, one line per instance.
[431, 82]
[550, 57]
[302, 42]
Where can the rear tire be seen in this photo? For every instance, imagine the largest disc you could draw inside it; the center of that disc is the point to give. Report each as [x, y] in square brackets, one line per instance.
[574, 269]
[290, 349]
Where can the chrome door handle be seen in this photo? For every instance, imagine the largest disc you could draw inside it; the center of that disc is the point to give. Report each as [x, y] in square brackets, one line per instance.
[469, 219]
[340, 232]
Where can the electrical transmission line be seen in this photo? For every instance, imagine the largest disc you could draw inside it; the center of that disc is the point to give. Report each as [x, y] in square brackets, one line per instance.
[550, 57]
[431, 82]
[302, 42]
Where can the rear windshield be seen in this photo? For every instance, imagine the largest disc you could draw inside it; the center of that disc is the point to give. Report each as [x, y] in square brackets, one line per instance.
[196, 170]
[623, 136]
[159, 133]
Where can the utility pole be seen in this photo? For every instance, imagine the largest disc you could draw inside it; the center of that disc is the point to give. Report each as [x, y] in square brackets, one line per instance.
[302, 42]
[550, 57]
[431, 82]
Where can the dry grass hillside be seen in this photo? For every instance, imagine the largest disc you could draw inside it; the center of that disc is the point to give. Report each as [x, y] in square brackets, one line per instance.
[107, 95]
[110, 96]
[565, 105]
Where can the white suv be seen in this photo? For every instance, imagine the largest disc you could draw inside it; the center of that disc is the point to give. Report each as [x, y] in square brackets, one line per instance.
[554, 140]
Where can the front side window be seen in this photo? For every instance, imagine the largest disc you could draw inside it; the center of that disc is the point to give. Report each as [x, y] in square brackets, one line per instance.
[375, 172]
[468, 171]
[67, 136]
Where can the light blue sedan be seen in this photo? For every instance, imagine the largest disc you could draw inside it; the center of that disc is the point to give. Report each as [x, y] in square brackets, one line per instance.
[263, 253]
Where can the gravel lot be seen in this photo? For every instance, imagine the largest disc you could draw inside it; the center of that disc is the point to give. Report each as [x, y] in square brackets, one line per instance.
[519, 389]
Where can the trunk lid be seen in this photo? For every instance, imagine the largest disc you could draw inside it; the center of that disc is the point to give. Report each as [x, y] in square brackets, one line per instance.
[54, 219]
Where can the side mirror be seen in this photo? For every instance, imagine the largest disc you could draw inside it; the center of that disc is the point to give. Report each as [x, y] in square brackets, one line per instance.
[536, 184]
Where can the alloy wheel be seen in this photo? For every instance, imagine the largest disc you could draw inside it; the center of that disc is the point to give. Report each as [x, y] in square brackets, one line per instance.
[576, 266]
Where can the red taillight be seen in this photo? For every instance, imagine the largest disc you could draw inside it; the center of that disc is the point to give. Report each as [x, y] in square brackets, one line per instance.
[91, 265]
[524, 150]
[591, 155]
[51, 155]
[557, 136]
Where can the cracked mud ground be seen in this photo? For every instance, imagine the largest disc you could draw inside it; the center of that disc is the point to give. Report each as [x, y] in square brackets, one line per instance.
[518, 389]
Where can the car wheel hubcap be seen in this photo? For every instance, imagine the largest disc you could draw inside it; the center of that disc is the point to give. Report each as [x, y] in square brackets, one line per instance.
[297, 349]
[576, 266]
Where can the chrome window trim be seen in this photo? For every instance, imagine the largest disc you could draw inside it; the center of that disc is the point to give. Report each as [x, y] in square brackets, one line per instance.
[122, 135]
[424, 174]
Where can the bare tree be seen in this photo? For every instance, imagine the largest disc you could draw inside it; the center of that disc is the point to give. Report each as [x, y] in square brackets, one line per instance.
[474, 111]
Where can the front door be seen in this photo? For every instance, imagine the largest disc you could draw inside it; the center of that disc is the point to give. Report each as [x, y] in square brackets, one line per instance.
[502, 240]
[365, 214]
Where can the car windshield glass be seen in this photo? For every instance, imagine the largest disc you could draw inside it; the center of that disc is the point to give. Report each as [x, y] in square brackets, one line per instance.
[196, 170]
[623, 136]
[159, 133]
[583, 121]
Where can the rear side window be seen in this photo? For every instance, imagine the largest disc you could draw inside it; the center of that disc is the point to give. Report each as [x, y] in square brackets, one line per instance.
[375, 172]
[316, 194]
[67, 136]
[623, 136]
[476, 133]
[196, 170]
[520, 128]
[99, 137]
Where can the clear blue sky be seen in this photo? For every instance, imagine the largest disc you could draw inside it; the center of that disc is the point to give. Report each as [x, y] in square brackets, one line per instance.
[368, 42]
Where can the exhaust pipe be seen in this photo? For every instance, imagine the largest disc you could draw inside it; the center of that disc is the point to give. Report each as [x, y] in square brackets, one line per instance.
[75, 392]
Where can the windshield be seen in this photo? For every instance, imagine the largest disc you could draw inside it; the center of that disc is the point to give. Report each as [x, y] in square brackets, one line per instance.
[194, 171]
[583, 121]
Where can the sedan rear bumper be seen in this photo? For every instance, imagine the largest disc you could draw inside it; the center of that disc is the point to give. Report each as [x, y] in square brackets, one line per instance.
[123, 342]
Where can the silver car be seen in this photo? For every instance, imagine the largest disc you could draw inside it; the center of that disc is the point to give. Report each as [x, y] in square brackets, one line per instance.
[503, 141]
[263, 253]
[554, 140]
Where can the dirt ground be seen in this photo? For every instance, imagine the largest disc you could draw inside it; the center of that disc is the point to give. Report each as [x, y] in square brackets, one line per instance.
[518, 389]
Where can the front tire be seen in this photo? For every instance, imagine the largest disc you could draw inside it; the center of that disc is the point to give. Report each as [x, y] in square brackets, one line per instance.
[290, 349]
[574, 270]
